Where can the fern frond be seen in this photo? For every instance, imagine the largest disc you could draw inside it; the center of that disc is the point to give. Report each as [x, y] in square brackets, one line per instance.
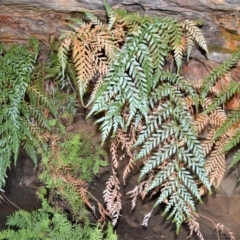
[74, 24]
[194, 34]
[201, 122]
[36, 94]
[224, 96]
[216, 164]
[112, 198]
[232, 119]
[234, 140]
[177, 45]
[110, 14]
[235, 159]
[30, 148]
[209, 142]
[217, 72]
[63, 52]
[94, 19]
[141, 87]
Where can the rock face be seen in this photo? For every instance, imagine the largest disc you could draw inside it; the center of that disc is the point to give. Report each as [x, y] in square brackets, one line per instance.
[220, 19]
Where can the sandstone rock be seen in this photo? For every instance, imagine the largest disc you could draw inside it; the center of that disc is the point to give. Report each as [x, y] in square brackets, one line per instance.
[22, 18]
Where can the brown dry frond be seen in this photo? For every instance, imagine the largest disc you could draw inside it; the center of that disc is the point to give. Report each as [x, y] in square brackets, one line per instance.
[216, 164]
[141, 190]
[113, 150]
[209, 142]
[127, 170]
[92, 47]
[112, 198]
[135, 193]
[197, 84]
[221, 227]
[124, 141]
[217, 117]
[194, 227]
[207, 102]
[80, 185]
[201, 122]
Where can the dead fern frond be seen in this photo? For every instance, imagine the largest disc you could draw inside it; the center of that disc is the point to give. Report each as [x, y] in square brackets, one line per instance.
[141, 190]
[216, 163]
[113, 150]
[208, 144]
[112, 198]
[92, 45]
[128, 169]
[217, 117]
[194, 227]
[201, 122]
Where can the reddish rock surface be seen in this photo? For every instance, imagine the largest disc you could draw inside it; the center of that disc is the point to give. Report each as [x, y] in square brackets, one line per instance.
[20, 19]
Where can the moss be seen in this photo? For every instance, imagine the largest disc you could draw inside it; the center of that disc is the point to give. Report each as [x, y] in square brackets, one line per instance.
[231, 37]
[231, 31]
[199, 23]
[216, 48]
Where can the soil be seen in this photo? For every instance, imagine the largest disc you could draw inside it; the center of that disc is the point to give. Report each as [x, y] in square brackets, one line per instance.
[21, 186]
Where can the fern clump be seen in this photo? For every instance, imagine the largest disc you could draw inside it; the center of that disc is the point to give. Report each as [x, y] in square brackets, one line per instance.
[92, 47]
[143, 98]
[21, 116]
[216, 91]
[66, 172]
[45, 223]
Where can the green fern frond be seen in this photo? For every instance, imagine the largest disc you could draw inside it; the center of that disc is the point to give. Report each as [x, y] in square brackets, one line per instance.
[30, 148]
[156, 138]
[154, 121]
[158, 157]
[224, 96]
[110, 14]
[34, 43]
[176, 38]
[190, 45]
[234, 141]
[217, 73]
[94, 19]
[63, 52]
[74, 24]
[36, 94]
[133, 21]
[236, 159]
[46, 223]
[16, 67]
[180, 205]
[231, 120]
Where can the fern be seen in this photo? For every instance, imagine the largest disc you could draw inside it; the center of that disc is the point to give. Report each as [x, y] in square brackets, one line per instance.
[45, 223]
[20, 116]
[225, 95]
[226, 126]
[194, 35]
[218, 72]
[68, 168]
[138, 89]
[173, 147]
[111, 15]
[92, 47]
